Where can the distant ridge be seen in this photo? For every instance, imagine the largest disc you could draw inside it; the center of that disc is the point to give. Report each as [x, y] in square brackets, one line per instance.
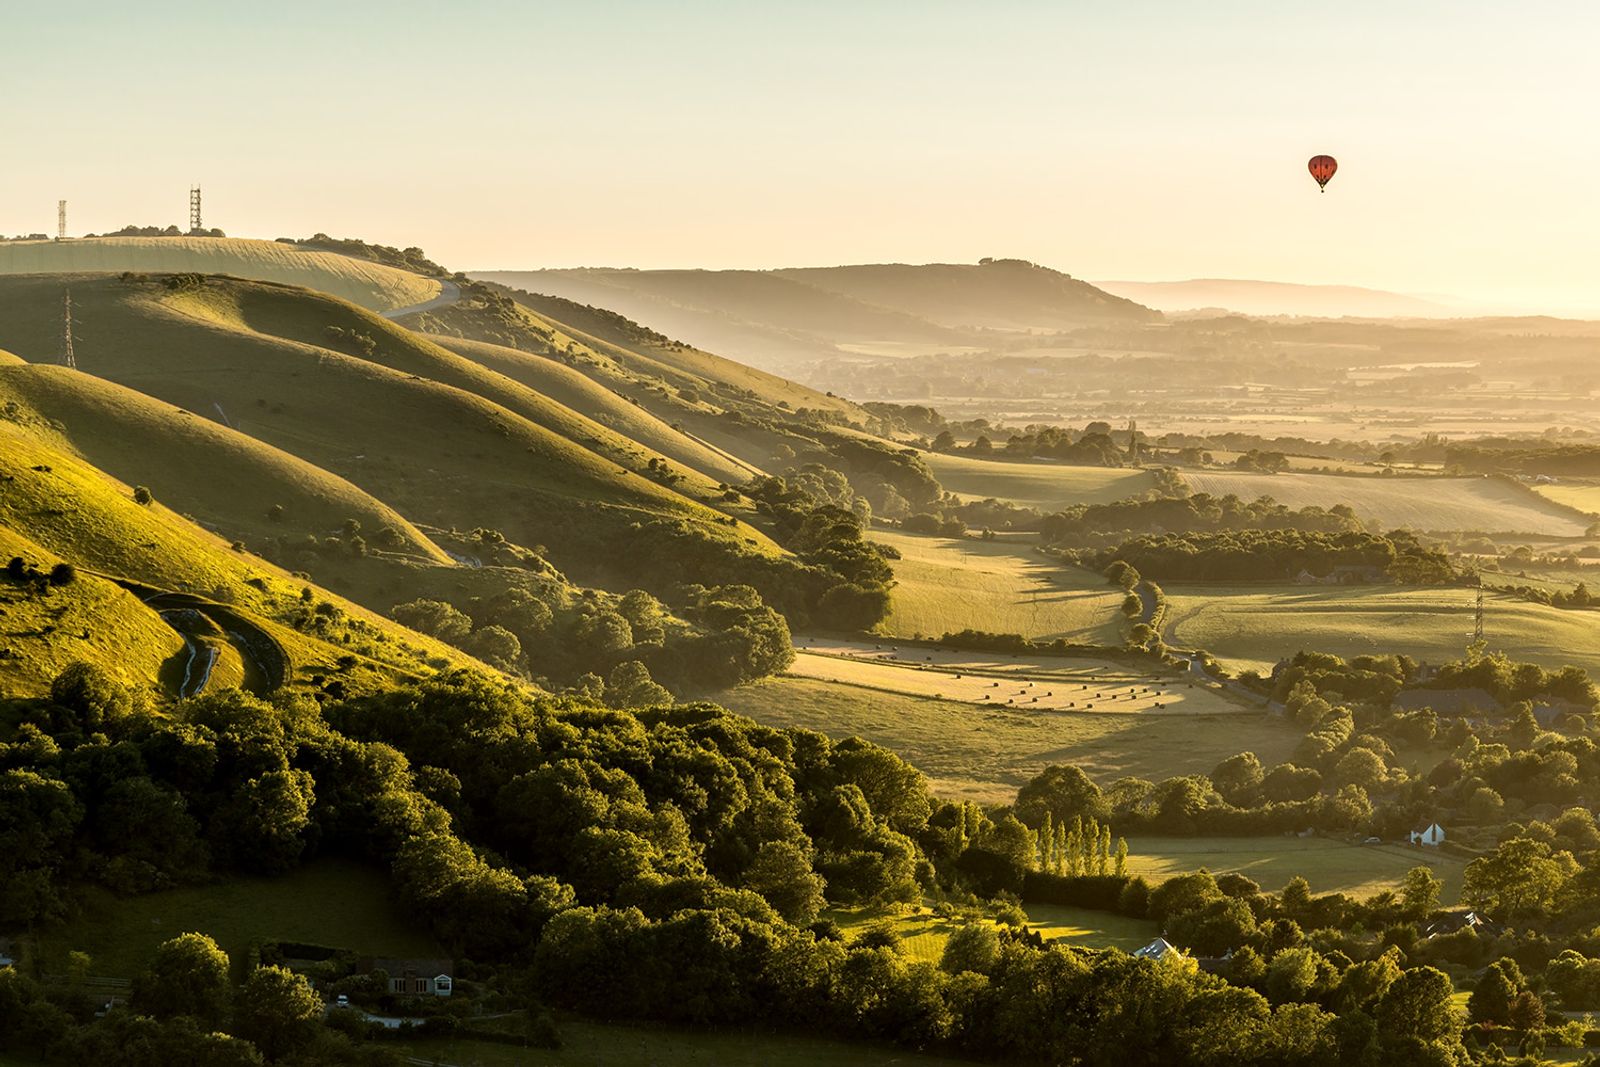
[775, 319]
[1249, 297]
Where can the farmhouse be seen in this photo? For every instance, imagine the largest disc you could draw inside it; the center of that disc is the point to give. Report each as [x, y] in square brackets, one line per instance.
[1431, 835]
[1460, 919]
[1159, 949]
[415, 977]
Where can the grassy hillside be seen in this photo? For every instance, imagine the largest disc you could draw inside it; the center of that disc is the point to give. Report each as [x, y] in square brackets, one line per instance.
[1006, 294]
[1257, 626]
[91, 619]
[368, 284]
[1585, 498]
[985, 754]
[54, 506]
[223, 479]
[438, 453]
[1331, 866]
[1484, 504]
[1046, 486]
[589, 399]
[944, 585]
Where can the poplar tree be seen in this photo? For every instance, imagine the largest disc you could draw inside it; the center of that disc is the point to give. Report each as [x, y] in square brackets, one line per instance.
[1122, 857]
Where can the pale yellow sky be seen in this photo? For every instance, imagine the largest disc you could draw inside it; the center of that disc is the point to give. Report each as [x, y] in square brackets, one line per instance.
[1137, 140]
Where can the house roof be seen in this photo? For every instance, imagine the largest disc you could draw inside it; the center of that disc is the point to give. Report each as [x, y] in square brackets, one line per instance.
[420, 967]
[1157, 949]
[1446, 701]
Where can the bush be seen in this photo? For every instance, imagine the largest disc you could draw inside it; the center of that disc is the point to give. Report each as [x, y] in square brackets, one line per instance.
[143, 495]
[63, 574]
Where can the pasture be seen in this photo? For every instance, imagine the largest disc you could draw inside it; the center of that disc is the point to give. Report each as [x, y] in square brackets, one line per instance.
[924, 934]
[1255, 626]
[943, 585]
[1046, 486]
[1424, 503]
[1584, 497]
[1330, 866]
[986, 753]
[335, 903]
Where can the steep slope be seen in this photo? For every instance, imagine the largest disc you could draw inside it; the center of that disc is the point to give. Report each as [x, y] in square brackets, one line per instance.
[437, 453]
[226, 481]
[371, 285]
[1003, 294]
[55, 507]
[580, 394]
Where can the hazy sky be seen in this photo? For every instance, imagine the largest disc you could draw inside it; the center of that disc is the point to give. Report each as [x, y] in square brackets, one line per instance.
[1111, 140]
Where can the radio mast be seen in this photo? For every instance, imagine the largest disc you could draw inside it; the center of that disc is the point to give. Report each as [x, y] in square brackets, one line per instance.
[61, 220]
[194, 209]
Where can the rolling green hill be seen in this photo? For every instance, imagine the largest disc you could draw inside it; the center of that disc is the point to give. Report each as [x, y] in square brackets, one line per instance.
[221, 478]
[438, 453]
[54, 507]
[371, 285]
[1046, 486]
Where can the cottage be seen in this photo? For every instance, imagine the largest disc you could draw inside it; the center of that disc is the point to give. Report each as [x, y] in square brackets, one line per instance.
[415, 977]
[1460, 919]
[1431, 835]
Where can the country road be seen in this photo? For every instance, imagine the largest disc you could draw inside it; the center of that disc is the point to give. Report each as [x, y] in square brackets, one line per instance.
[449, 293]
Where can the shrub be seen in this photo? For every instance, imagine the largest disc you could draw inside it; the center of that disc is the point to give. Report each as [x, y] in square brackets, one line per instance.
[143, 495]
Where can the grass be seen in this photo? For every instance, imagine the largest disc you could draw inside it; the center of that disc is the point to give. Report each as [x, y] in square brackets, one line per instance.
[1330, 866]
[1046, 486]
[369, 284]
[71, 511]
[985, 754]
[330, 902]
[1427, 503]
[943, 585]
[582, 395]
[1256, 626]
[224, 479]
[923, 935]
[587, 1043]
[1573, 495]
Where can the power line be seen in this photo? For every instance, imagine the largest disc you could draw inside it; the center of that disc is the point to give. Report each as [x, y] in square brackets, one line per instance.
[68, 359]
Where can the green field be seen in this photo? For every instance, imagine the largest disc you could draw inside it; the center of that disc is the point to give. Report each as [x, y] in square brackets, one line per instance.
[335, 903]
[943, 585]
[1046, 486]
[1330, 866]
[924, 934]
[1427, 503]
[371, 285]
[985, 754]
[585, 1043]
[1573, 495]
[1254, 627]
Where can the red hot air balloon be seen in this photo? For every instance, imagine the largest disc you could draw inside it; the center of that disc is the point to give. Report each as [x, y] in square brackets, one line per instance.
[1322, 168]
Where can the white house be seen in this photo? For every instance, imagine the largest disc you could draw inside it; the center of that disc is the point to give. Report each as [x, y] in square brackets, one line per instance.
[1431, 835]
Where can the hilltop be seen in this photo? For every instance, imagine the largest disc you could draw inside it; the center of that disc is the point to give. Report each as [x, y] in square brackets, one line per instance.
[364, 282]
[778, 319]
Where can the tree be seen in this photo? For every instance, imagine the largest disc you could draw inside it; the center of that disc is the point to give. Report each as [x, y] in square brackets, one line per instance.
[1496, 988]
[63, 574]
[781, 872]
[973, 947]
[1065, 793]
[496, 646]
[187, 976]
[1420, 891]
[434, 618]
[1519, 879]
[88, 691]
[1417, 1007]
[142, 495]
[277, 1011]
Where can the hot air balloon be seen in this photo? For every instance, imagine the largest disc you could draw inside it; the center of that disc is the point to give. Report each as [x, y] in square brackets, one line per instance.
[1322, 168]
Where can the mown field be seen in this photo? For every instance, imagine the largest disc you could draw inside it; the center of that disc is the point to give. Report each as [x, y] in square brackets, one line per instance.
[1427, 503]
[985, 754]
[335, 903]
[924, 934]
[944, 585]
[1046, 486]
[1255, 626]
[371, 285]
[1330, 866]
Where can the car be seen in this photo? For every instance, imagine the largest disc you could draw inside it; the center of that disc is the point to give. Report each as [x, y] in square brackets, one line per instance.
[1373, 841]
[341, 1001]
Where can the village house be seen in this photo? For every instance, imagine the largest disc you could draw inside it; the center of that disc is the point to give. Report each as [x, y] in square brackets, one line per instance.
[1431, 835]
[415, 977]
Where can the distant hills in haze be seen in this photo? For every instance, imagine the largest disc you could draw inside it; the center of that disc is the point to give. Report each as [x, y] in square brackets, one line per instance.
[1277, 298]
[777, 318]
